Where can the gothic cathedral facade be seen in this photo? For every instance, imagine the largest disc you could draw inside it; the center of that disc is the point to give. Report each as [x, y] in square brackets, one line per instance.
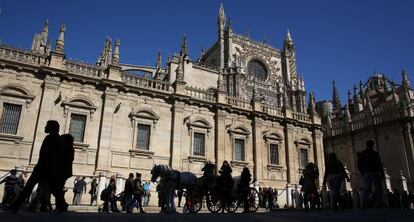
[241, 101]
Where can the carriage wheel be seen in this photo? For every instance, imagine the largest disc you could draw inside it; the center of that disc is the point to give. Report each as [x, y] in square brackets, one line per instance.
[198, 203]
[232, 206]
[253, 200]
[213, 202]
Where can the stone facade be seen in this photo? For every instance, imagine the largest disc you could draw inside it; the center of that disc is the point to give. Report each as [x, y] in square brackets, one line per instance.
[382, 111]
[241, 94]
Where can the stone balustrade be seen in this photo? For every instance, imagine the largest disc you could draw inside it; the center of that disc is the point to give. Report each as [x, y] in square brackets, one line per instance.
[239, 103]
[200, 94]
[21, 56]
[303, 117]
[147, 83]
[273, 111]
[82, 68]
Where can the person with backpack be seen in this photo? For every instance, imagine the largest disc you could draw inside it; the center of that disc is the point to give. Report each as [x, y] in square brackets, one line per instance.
[334, 175]
[108, 196]
[370, 167]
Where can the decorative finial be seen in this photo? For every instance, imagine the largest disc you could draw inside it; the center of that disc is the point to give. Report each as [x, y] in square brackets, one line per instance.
[335, 96]
[115, 58]
[312, 104]
[180, 71]
[361, 89]
[349, 96]
[184, 47]
[405, 82]
[159, 61]
[60, 42]
[46, 26]
[222, 17]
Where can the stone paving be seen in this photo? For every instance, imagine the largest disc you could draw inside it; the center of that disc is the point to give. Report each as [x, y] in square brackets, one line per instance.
[280, 215]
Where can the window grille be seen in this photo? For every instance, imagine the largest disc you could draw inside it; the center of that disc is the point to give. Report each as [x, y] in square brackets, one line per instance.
[144, 132]
[199, 144]
[239, 149]
[10, 118]
[274, 154]
[303, 158]
[77, 127]
[257, 70]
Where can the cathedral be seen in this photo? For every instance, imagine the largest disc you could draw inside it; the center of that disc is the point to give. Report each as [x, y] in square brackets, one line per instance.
[379, 110]
[242, 101]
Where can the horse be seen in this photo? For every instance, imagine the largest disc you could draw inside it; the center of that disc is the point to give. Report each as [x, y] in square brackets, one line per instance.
[170, 181]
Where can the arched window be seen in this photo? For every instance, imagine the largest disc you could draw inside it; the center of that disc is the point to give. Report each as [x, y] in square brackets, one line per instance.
[257, 69]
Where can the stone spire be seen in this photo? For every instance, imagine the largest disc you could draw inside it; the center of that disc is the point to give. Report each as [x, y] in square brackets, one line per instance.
[405, 81]
[221, 21]
[60, 42]
[335, 97]
[288, 38]
[220, 85]
[184, 47]
[349, 96]
[361, 89]
[356, 95]
[46, 27]
[115, 58]
[312, 103]
[180, 71]
[158, 63]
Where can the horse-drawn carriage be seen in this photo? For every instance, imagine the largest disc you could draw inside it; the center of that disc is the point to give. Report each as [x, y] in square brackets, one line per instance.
[202, 190]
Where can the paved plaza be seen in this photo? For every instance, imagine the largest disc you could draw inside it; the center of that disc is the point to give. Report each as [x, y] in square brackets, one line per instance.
[281, 215]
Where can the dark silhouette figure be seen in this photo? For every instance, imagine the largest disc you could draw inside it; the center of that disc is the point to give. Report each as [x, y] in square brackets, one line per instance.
[108, 196]
[10, 182]
[78, 190]
[47, 167]
[93, 191]
[225, 182]
[138, 192]
[67, 157]
[179, 196]
[129, 193]
[370, 166]
[244, 187]
[310, 176]
[334, 175]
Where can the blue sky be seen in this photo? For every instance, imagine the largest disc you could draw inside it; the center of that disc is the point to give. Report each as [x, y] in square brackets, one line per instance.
[342, 40]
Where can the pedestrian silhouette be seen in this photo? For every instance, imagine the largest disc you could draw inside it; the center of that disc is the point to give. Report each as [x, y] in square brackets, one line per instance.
[47, 167]
[334, 175]
[370, 167]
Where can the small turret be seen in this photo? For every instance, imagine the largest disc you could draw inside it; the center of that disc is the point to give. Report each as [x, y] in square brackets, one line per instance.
[115, 58]
[180, 71]
[349, 96]
[312, 104]
[335, 97]
[60, 42]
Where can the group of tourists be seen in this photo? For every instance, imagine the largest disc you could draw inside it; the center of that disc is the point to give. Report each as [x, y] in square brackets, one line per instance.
[56, 156]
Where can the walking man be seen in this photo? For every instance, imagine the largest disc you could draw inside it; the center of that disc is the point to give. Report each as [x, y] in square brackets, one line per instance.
[47, 166]
[79, 189]
[370, 166]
